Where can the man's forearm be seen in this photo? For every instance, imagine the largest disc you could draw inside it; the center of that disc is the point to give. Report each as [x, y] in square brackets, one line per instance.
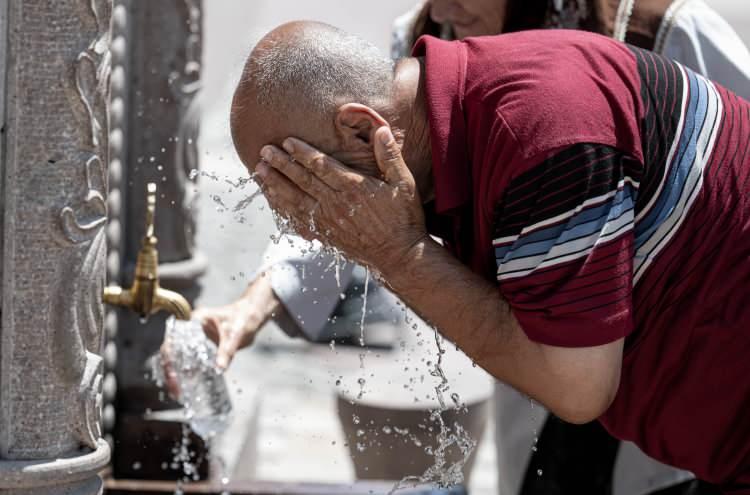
[576, 384]
[465, 308]
[259, 302]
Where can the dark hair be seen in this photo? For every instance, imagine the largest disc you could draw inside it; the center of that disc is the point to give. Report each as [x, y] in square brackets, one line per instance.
[522, 15]
[424, 25]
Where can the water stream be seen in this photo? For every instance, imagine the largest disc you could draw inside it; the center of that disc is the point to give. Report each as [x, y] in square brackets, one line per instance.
[443, 473]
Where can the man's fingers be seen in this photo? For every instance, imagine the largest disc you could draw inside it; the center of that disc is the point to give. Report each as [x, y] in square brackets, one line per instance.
[210, 326]
[228, 346]
[296, 173]
[283, 194]
[327, 169]
[390, 160]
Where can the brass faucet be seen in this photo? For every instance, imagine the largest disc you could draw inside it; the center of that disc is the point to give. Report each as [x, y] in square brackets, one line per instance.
[145, 297]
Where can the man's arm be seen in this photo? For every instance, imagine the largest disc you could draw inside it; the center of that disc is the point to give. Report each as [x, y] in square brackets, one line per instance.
[297, 286]
[577, 384]
[380, 222]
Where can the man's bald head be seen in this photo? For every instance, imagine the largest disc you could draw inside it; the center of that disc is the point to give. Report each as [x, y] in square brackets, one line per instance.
[295, 81]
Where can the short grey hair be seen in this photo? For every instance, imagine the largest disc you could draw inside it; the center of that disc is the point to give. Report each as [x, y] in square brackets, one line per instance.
[318, 68]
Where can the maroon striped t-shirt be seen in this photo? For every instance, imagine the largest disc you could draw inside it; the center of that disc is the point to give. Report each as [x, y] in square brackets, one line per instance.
[605, 190]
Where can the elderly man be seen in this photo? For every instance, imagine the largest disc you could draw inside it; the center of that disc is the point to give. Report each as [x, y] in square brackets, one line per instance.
[591, 197]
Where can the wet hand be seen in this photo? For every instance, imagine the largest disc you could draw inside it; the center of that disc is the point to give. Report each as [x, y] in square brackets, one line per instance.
[374, 220]
[230, 327]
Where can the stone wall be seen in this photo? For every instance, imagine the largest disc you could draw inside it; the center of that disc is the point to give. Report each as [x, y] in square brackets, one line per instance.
[55, 65]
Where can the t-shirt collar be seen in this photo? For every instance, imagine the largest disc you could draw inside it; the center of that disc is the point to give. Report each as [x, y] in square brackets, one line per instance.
[445, 75]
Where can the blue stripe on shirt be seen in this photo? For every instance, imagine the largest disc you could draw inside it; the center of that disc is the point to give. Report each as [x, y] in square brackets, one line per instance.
[684, 160]
[582, 224]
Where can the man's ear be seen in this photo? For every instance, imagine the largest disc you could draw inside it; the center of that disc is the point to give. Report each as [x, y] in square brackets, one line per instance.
[356, 125]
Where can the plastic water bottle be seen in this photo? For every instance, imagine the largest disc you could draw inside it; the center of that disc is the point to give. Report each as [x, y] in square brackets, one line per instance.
[202, 387]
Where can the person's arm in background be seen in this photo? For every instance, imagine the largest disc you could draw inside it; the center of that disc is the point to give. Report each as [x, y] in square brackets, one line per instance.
[298, 286]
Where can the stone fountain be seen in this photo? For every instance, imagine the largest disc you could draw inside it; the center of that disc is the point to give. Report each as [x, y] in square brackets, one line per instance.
[55, 68]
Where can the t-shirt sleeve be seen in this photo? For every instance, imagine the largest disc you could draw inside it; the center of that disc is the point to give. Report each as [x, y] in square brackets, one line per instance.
[563, 243]
[308, 282]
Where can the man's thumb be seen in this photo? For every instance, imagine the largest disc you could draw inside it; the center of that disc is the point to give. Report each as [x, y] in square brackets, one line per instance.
[388, 155]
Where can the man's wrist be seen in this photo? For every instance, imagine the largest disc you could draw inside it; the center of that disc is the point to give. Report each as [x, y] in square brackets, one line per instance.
[402, 269]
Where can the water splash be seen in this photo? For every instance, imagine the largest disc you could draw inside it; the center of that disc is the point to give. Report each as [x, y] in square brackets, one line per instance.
[201, 386]
[247, 201]
[284, 227]
[336, 264]
[443, 473]
[364, 309]
[535, 431]
[239, 183]
[217, 199]
[185, 460]
[362, 381]
[437, 371]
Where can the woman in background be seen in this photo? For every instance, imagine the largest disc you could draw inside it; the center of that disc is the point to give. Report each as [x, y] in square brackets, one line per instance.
[688, 31]
[568, 459]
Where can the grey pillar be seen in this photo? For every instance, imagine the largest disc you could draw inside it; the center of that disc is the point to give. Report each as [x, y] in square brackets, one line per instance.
[54, 65]
[161, 64]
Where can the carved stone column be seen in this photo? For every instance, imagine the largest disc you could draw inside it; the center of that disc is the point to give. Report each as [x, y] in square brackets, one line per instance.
[55, 67]
[160, 135]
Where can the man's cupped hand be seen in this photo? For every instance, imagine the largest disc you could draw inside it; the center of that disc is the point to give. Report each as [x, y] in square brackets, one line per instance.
[373, 220]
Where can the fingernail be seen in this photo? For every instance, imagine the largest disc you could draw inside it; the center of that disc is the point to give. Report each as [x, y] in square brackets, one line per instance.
[267, 153]
[261, 169]
[386, 136]
[288, 146]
